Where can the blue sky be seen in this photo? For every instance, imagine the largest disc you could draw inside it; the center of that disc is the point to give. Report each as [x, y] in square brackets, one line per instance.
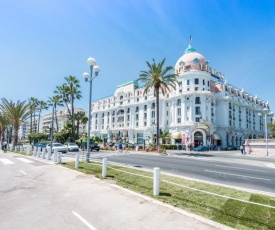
[41, 42]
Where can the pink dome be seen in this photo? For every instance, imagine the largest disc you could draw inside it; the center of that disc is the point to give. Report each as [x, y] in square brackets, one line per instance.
[190, 59]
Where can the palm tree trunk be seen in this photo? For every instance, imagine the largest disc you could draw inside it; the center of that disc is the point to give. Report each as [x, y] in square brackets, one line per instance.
[15, 140]
[31, 123]
[55, 114]
[73, 129]
[38, 121]
[157, 103]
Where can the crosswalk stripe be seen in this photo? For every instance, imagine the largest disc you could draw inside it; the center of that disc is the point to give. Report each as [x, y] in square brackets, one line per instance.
[6, 161]
[24, 160]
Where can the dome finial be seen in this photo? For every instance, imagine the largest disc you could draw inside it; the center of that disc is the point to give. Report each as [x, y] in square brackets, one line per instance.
[190, 40]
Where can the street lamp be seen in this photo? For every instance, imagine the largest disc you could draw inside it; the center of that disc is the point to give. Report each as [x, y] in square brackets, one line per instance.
[89, 78]
[266, 143]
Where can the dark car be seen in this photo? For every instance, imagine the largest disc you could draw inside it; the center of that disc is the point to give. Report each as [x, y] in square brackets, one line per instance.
[201, 148]
[230, 148]
[93, 146]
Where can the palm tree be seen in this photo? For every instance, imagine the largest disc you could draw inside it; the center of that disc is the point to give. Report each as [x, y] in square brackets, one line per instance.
[33, 102]
[42, 105]
[80, 118]
[55, 101]
[158, 78]
[3, 124]
[69, 92]
[16, 113]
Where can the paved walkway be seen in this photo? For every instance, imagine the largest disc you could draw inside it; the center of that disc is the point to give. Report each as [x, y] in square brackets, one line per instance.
[128, 210]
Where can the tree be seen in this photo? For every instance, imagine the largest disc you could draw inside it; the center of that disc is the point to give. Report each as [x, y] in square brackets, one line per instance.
[271, 127]
[158, 78]
[4, 121]
[16, 113]
[33, 102]
[80, 118]
[55, 101]
[42, 105]
[37, 137]
[69, 92]
[165, 136]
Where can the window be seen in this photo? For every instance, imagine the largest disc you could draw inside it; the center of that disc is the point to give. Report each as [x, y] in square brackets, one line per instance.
[197, 100]
[203, 82]
[167, 113]
[153, 105]
[208, 84]
[128, 117]
[196, 81]
[153, 114]
[137, 99]
[179, 120]
[178, 102]
[188, 82]
[145, 115]
[197, 110]
[196, 88]
[197, 119]
[145, 98]
[137, 109]
[145, 123]
[136, 124]
[136, 116]
[128, 110]
[179, 112]
[145, 107]
[180, 84]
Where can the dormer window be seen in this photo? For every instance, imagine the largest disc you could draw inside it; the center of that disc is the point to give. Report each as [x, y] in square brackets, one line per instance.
[181, 63]
[196, 61]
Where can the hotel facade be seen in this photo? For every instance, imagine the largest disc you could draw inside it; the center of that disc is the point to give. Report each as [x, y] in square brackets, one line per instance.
[203, 110]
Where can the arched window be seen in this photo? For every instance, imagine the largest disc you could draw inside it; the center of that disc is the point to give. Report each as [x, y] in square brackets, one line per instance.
[196, 60]
[153, 105]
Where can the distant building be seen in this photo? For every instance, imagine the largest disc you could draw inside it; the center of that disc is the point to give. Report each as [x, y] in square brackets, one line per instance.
[203, 110]
[62, 120]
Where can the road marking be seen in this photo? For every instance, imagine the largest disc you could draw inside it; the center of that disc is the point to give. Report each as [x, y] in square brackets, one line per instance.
[241, 168]
[23, 172]
[237, 175]
[24, 160]
[6, 161]
[84, 221]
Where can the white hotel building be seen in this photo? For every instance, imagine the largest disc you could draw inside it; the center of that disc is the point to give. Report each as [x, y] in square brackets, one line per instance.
[204, 109]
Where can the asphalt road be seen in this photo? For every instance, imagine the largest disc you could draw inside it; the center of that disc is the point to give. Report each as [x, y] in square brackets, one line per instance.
[37, 194]
[226, 169]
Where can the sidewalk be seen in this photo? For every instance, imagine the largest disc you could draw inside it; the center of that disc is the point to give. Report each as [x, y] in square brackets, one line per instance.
[115, 207]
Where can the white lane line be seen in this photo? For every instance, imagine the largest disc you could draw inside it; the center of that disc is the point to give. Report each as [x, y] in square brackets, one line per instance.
[23, 172]
[24, 160]
[6, 161]
[84, 221]
[241, 168]
[237, 175]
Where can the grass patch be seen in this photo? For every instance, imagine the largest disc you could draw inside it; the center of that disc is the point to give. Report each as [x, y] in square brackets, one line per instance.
[225, 210]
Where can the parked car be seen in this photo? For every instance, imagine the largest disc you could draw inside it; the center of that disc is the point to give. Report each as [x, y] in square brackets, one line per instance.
[59, 147]
[201, 148]
[130, 145]
[93, 146]
[39, 145]
[229, 148]
[72, 147]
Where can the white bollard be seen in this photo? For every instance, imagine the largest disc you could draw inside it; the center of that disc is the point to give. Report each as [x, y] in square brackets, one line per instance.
[76, 161]
[34, 150]
[15, 149]
[38, 151]
[59, 159]
[49, 153]
[55, 155]
[28, 150]
[21, 149]
[104, 167]
[43, 152]
[10, 148]
[156, 181]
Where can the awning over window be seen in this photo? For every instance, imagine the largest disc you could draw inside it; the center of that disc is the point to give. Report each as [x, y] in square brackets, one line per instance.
[176, 135]
[217, 136]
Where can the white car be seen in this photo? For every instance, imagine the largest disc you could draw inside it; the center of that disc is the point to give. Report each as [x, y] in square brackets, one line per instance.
[59, 147]
[72, 147]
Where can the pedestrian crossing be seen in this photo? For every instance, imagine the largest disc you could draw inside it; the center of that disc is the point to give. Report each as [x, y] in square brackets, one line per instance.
[6, 161]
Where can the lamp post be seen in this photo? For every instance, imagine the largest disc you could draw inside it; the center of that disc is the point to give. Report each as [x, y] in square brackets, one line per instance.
[108, 135]
[266, 142]
[89, 78]
[153, 124]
